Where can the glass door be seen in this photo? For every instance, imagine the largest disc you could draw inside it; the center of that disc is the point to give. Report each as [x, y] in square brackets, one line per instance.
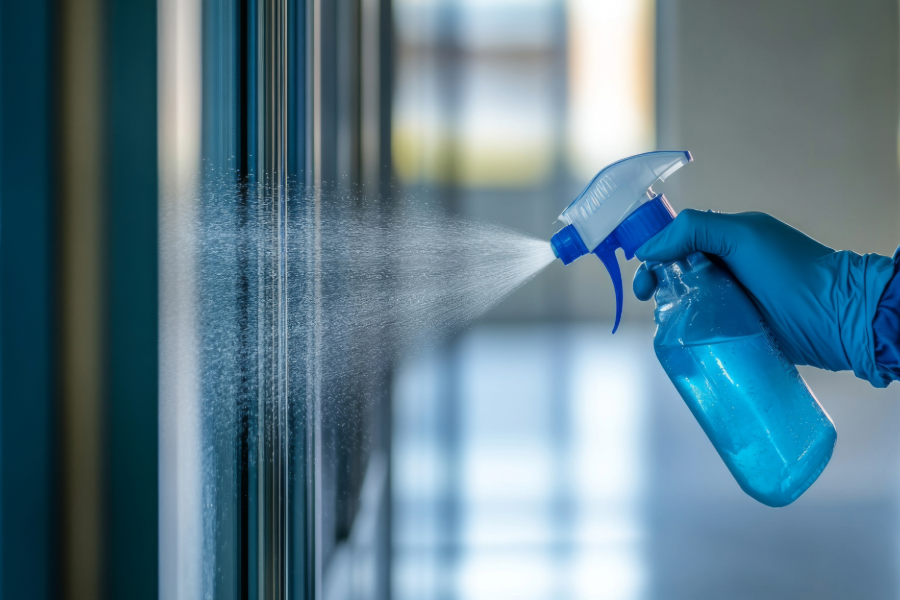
[262, 104]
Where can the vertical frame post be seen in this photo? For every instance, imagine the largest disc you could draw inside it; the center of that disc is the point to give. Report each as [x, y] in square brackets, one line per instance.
[27, 366]
[132, 184]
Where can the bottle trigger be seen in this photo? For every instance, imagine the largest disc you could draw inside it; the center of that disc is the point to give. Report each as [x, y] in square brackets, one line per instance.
[606, 252]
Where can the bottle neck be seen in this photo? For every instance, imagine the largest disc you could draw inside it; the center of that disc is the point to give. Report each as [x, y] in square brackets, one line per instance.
[670, 285]
[677, 281]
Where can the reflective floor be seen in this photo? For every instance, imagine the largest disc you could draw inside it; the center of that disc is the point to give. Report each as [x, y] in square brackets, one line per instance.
[557, 461]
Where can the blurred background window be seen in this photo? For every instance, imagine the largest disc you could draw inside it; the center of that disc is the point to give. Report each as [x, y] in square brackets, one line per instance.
[484, 87]
[611, 82]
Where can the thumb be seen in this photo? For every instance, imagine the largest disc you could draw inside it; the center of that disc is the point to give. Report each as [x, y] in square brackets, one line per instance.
[644, 284]
[691, 231]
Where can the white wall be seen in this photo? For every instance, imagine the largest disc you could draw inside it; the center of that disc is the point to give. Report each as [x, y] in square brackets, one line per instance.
[790, 108]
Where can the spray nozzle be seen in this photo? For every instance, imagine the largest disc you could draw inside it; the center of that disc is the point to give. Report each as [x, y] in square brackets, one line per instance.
[618, 209]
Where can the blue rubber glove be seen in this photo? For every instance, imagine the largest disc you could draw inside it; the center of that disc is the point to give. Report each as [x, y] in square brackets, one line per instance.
[820, 302]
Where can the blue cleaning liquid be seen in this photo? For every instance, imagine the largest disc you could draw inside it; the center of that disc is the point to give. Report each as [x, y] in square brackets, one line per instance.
[748, 397]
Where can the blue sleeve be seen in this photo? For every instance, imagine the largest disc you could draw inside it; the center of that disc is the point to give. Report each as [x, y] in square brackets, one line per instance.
[886, 327]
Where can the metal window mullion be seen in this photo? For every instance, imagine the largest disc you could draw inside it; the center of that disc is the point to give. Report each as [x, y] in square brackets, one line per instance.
[274, 438]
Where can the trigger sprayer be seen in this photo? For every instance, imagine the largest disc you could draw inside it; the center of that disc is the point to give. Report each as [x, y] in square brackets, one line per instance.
[723, 358]
[618, 209]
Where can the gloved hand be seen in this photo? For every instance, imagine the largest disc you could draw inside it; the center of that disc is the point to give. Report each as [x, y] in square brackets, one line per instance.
[820, 303]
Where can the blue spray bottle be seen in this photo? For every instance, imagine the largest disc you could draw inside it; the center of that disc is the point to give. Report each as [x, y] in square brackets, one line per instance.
[721, 355]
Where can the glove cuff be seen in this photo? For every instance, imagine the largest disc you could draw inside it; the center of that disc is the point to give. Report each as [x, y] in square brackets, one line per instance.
[867, 278]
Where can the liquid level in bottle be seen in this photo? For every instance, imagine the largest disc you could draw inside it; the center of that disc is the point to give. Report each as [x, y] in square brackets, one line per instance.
[757, 411]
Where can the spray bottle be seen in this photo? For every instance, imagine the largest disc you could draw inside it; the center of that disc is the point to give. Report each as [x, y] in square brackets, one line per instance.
[724, 360]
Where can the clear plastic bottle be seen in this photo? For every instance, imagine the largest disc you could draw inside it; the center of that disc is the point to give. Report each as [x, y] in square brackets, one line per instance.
[722, 357]
[748, 397]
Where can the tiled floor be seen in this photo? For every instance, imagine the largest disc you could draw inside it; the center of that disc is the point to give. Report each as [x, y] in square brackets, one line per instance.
[557, 461]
